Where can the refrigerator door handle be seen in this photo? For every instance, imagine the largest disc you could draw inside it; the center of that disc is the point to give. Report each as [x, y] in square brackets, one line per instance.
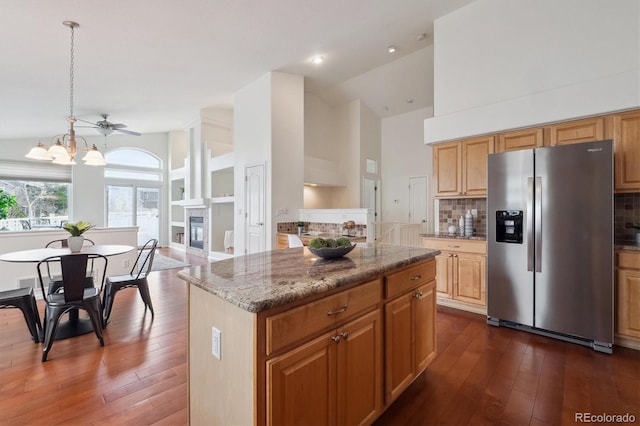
[530, 247]
[538, 223]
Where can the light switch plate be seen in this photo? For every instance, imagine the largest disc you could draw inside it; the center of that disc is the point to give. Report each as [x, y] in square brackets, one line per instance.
[215, 342]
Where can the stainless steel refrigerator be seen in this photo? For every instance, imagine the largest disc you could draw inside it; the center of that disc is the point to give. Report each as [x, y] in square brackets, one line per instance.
[550, 242]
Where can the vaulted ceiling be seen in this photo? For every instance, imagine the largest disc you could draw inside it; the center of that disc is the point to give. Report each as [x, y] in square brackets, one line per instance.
[153, 64]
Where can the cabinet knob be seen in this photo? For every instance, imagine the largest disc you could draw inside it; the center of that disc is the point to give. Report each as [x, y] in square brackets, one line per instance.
[418, 294]
[344, 335]
[416, 277]
[336, 339]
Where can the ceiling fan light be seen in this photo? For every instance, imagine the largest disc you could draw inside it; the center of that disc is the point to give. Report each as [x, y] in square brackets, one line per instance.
[94, 157]
[38, 152]
[104, 131]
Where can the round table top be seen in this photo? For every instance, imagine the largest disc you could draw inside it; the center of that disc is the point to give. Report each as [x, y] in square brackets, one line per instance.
[36, 255]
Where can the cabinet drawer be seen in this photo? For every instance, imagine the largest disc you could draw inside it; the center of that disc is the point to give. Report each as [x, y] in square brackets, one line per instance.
[402, 281]
[628, 260]
[291, 326]
[457, 245]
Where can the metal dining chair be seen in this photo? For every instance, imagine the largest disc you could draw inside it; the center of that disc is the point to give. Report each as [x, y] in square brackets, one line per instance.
[74, 295]
[55, 279]
[136, 278]
[23, 299]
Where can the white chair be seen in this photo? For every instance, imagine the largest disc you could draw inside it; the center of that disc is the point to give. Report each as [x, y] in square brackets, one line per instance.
[294, 241]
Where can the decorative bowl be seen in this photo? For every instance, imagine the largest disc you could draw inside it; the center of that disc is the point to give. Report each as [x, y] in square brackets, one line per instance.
[331, 252]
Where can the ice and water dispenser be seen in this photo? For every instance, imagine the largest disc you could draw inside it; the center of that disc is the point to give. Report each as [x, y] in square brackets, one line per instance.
[509, 226]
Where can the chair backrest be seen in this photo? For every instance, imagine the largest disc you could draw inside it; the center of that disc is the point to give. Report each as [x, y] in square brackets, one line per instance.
[73, 267]
[144, 261]
[294, 241]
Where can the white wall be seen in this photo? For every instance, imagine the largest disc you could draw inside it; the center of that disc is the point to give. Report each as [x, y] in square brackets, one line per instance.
[269, 129]
[404, 155]
[500, 64]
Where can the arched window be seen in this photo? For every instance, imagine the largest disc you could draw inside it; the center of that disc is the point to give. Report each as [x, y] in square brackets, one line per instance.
[133, 180]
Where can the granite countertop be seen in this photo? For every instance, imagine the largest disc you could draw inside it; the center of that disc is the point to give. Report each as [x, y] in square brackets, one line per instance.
[261, 281]
[626, 245]
[326, 235]
[480, 237]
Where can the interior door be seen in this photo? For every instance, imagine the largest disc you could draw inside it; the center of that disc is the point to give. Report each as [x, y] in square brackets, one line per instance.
[255, 209]
[418, 196]
[370, 198]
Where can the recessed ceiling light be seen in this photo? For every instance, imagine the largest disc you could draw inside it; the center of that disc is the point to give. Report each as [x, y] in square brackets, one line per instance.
[318, 59]
[410, 100]
[421, 37]
[392, 49]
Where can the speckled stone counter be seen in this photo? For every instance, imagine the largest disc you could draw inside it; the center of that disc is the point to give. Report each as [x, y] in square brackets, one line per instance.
[265, 280]
[626, 245]
[480, 237]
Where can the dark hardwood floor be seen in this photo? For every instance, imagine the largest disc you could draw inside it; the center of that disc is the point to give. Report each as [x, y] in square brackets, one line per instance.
[482, 374]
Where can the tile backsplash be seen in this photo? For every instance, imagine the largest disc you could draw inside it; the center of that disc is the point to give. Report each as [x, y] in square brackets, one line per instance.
[627, 212]
[454, 208]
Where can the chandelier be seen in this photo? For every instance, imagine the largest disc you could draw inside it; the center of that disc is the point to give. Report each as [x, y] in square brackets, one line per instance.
[64, 147]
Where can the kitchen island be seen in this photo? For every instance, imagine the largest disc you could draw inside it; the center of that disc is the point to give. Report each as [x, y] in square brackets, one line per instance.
[283, 337]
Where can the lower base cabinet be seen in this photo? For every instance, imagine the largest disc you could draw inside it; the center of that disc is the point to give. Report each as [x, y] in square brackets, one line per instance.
[330, 380]
[628, 298]
[411, 342]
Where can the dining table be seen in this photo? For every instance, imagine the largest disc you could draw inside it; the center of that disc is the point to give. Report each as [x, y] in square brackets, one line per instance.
[74, 326]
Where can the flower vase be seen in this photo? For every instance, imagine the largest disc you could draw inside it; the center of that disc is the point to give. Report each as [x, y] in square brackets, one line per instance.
[75, 244]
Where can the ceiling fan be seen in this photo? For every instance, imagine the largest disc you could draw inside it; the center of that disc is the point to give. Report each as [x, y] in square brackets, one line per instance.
[105, 128]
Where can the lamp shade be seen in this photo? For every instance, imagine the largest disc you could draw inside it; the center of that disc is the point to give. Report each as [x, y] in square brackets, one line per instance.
[94, 158]
[38, 152]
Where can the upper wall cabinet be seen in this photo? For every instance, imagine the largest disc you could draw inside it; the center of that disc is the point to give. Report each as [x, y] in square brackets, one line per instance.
[520, 139]
[626, 140]
[577, 131]
[460, 168]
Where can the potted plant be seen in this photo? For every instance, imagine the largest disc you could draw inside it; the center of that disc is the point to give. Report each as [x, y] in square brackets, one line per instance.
[300, 226]
[76, 230]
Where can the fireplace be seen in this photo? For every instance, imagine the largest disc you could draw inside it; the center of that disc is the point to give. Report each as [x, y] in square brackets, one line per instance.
[196, 232]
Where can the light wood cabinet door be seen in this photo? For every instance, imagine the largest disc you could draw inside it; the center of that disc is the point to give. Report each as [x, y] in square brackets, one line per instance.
[626, 139]
[424, 321]
[577, 131]
[470, 284]
[283, 241]
[628, 303]
[399, 371]
[520, 139]
[474, 165]
[359, 370]
[301, 384]
[444, 274]
[447, 171]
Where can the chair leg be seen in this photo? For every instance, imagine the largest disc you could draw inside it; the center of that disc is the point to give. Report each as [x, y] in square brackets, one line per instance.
[143, 289]
[51, 318]
[107, 303]
[95, 314]
[31, 316]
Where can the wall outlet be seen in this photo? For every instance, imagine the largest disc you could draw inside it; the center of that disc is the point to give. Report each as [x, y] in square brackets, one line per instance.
[215, 342]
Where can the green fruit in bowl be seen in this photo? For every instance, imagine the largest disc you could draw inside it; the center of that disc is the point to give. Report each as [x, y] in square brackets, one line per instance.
[318, 243]
[331, 242]
[343, 242]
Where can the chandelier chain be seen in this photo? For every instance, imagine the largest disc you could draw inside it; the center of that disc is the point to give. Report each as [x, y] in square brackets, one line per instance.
[71, 73]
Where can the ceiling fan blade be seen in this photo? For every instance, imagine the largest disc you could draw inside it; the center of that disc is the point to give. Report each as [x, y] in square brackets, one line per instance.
[128, 132]
[117, 126]
[85, 121]
[86, 127]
